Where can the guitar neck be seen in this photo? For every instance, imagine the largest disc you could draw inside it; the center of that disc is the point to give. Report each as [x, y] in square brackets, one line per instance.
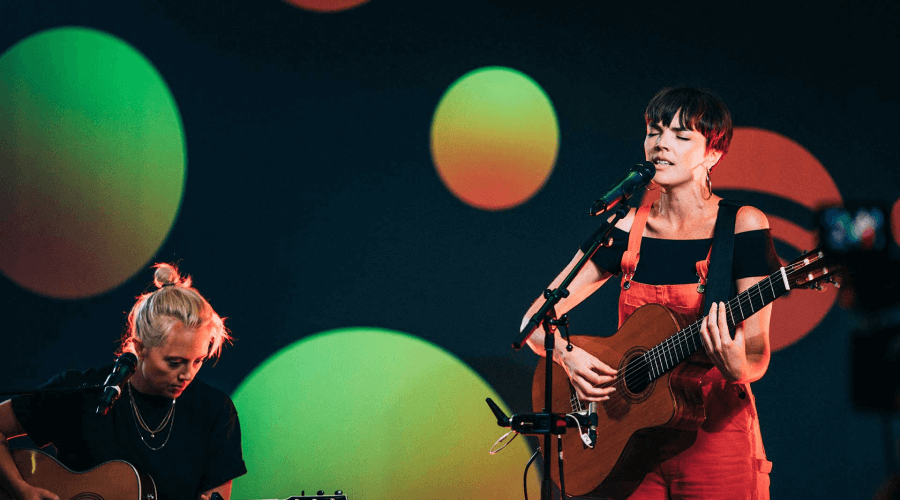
[686, 342]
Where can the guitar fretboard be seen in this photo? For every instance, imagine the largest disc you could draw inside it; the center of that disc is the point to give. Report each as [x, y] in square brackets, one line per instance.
[668, 354]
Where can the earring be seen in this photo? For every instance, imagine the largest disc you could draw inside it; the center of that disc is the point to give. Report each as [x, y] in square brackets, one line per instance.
[708, 185]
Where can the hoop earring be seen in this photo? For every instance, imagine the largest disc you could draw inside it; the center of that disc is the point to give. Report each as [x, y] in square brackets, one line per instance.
[708, 185]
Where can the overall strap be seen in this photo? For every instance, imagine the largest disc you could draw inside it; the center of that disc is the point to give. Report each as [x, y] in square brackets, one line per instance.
[631, 256]
[702, 267]
[720, 285]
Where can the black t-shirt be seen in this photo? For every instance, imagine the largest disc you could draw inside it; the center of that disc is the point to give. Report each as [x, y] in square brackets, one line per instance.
[673, 262]
[202, 452]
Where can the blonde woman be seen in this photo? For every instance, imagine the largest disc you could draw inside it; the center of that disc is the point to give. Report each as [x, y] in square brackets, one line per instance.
[182, 432]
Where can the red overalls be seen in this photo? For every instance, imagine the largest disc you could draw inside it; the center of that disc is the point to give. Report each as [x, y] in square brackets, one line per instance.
[727, 461]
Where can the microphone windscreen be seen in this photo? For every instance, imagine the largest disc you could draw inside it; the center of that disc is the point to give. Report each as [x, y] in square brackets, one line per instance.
[647, 169]
[128, 358]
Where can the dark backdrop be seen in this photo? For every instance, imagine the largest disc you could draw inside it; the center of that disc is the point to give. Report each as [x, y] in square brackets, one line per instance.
[311, 202]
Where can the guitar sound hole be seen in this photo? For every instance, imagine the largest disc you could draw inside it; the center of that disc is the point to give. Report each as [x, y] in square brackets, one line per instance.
[635, 376]
[636, 379]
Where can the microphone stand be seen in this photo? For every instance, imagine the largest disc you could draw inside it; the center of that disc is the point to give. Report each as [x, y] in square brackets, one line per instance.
[547, 422]
[64, 390]
[36, 392]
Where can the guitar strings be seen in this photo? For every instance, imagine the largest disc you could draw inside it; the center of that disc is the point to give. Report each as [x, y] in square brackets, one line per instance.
[654, 362]
[645, 362]
[643, 365]
[656, 358]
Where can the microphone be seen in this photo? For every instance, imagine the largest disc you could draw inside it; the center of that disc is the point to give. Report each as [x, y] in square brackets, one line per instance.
[592, 429]
[637, 177]
[122, 370]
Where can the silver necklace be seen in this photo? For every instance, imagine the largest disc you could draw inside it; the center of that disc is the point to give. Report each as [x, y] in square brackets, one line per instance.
[140, 423]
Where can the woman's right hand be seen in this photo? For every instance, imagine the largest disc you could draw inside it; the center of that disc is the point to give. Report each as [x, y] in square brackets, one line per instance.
[592, 379]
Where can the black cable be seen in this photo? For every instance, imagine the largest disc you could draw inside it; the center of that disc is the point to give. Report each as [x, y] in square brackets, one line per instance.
[525, 477]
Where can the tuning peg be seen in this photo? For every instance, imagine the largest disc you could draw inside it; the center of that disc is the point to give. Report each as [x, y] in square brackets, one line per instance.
[320, 492]
[338, 492]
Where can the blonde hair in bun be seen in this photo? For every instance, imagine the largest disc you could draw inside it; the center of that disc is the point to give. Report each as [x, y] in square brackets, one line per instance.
[174, 301]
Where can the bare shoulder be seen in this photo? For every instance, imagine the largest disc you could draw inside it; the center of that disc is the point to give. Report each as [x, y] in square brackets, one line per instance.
[9, 424]
[750, 219]
[625, 223]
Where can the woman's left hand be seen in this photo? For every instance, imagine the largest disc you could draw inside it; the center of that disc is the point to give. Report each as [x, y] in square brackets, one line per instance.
[729, 355]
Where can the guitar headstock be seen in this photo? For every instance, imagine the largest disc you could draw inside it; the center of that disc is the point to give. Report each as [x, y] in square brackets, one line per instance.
[338, 495]
[812, 269]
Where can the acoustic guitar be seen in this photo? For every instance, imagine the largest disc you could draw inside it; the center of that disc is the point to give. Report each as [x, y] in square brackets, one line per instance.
[657, 406]
[114, 480]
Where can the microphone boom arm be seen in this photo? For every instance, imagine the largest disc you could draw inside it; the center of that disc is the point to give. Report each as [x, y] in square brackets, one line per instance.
[554, 296]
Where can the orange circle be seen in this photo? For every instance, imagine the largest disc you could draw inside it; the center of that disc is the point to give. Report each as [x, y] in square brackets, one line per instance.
[770, 163]
[326, 5]
[895, 221]
[767, 162]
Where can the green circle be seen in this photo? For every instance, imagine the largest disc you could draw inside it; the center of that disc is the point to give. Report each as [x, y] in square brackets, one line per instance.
[377, 414]
[92, 162]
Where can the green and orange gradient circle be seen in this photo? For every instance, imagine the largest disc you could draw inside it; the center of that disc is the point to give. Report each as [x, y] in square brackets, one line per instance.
[377, 414]
[494, 138]
[92, 162]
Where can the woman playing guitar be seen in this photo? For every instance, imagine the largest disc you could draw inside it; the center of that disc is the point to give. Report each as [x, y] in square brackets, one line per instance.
[661, 249]
[182, 432]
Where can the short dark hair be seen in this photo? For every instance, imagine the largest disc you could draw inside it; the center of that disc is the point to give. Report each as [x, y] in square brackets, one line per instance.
[700, 110]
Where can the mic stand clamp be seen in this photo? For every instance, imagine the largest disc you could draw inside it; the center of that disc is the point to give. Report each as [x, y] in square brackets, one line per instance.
[535, 424]
[563, 322]
[547, 422]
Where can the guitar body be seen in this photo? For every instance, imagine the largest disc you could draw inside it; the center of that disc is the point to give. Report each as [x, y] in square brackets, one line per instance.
[114, 480]
[641, 425]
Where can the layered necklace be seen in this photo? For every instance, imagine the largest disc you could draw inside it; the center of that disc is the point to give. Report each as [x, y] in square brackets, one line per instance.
[139, 422]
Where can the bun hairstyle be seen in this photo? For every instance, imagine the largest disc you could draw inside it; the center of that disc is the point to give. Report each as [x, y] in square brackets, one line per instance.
[174, 301]
[167, 275]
